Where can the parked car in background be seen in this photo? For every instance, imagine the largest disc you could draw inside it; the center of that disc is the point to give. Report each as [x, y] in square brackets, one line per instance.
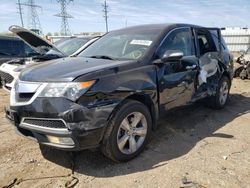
[13, 48]
[242, 66]
[43, 50]
[111, 94]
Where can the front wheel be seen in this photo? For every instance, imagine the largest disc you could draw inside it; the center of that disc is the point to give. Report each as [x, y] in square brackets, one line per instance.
[127, 132]
[222, 93]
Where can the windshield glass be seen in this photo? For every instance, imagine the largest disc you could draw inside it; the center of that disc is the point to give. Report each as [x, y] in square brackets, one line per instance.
[122, 45]
[69, 46]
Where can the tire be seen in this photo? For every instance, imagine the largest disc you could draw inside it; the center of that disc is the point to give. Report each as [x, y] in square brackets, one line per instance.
[243, 74]
[238, 71]
[123, 129]
[222, 93]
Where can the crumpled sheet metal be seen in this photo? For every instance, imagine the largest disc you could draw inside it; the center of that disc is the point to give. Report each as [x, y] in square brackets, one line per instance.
[208, 67]
[80, 118]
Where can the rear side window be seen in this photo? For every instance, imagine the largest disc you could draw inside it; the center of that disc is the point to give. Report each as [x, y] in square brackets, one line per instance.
[12, 48]
[224, 45]
[215, 37]
[179, 39]
[206, 42]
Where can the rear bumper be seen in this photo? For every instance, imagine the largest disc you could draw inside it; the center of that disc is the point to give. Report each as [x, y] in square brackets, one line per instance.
[73, 136]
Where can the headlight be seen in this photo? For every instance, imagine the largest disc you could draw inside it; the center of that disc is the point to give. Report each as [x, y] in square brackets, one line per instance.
[70, 90]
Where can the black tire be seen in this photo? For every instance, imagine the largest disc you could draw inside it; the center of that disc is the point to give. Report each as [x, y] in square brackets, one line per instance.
[238, 71]
[1, 85]
[110, 141]
[243, 74]
[216, 101]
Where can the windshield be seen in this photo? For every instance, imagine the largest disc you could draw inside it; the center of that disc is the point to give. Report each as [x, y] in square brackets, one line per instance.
[69, 46]
[122, 45]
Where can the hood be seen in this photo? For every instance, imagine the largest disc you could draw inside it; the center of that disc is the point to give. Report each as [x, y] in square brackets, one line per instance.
[66, 69]
[36, 42]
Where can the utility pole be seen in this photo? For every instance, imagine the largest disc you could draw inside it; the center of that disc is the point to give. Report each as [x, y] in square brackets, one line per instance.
[20, 12]
[105, 11]
[33, 18]
[64, 16]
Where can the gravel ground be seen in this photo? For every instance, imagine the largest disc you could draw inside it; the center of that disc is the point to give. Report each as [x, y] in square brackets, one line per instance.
[193, 147]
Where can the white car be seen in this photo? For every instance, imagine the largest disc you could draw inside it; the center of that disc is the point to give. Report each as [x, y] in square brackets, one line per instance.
[10, 70]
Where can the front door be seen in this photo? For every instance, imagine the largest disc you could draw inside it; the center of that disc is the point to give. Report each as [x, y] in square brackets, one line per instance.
[177, 79]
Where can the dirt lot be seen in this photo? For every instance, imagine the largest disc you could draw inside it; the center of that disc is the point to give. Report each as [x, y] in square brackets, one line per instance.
[193, 147]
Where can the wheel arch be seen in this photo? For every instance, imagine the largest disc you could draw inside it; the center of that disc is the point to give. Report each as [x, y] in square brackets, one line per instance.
[227, 74]
[147, 101]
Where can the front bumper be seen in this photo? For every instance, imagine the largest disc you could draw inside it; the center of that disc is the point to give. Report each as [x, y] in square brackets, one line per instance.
[80, 127]
[9, 75]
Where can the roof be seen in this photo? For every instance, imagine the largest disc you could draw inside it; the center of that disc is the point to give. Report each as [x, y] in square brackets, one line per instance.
[5, 37]
[158, 26]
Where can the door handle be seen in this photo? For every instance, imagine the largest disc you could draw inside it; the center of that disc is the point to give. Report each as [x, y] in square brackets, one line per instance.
[191, 67]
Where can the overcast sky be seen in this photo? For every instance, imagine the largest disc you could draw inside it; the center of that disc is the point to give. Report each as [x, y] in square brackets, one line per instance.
[88, 15]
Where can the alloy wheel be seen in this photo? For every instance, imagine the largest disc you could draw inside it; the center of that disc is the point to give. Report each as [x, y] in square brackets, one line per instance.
[132, 133]
[224, 89]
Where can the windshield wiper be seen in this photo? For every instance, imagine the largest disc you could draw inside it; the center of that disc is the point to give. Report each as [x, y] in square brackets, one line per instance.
[102, 57]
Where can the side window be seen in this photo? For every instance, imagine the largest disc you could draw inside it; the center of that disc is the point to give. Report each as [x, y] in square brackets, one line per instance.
[224, 45]
[205, 42]
[215, 37]
[179, 39]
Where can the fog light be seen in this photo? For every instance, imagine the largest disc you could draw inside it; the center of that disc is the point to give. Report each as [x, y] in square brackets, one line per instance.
[60, 140]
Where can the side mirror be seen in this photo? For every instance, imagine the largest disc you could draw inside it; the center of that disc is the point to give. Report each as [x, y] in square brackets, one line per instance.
[172, 55]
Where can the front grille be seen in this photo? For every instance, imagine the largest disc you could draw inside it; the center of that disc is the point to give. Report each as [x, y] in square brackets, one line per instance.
[6, 77]
[50, 123]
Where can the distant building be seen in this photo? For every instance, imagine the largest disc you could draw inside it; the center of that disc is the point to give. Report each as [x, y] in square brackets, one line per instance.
[237, 39]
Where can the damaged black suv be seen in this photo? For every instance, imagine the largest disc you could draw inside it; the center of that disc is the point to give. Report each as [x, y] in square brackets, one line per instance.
[111, 95]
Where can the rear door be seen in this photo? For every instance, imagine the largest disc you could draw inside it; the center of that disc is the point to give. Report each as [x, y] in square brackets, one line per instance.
[209, 48]
[208, 40]
[177, 78]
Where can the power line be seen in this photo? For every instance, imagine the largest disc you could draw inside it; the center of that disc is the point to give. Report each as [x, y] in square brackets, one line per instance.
[105, 10]
[64, 16]
[20, 12]
[33, 18]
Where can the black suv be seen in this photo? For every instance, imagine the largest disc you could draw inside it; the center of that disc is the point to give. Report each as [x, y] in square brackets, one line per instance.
[13, 48]
[112, 94]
